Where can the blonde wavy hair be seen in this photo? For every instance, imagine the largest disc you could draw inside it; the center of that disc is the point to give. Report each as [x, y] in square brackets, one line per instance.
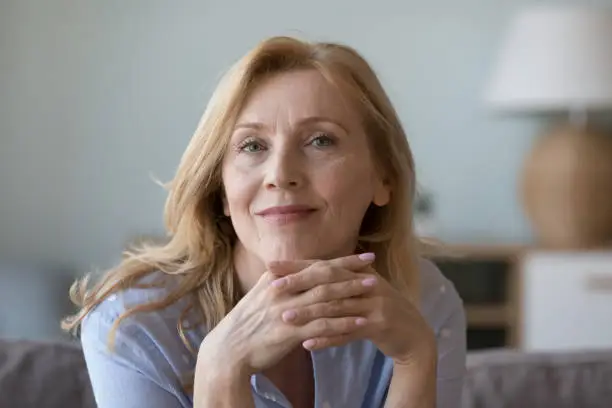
[201, 239]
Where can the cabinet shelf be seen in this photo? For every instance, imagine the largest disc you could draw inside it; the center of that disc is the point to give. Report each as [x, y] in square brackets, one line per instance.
[486, 279]
[488, 316]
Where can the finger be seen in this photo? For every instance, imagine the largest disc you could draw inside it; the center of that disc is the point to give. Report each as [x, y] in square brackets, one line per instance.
[337, 290]
[322, 272]
[319, 343]
[317, 274]
[334, 308]
[264, 282]
[352, 262]
[331, 327]
[369, 269]
[283, 268]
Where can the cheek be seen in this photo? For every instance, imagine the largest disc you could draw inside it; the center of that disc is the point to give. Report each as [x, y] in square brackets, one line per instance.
[240, 188]
[347, 187]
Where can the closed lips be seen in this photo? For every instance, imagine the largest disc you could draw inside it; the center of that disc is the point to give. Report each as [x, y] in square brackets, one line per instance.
[286, 210]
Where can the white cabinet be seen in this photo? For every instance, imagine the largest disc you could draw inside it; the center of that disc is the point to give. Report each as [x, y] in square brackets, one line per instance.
[565, 300]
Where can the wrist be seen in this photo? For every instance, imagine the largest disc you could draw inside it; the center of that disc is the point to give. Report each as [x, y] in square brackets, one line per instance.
[421, 356]
[422, 369]
[413, 383]
[221, 366]
[220, 384]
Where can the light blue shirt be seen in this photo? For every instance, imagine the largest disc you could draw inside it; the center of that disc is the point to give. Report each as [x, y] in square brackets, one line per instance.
[150, 360]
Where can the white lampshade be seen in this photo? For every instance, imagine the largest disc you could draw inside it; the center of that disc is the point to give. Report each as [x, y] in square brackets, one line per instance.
[555, 58]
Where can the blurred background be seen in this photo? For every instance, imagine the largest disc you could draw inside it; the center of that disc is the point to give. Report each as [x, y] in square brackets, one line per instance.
[98, 99]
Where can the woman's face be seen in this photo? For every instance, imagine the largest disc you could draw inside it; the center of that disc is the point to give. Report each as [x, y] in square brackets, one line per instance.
[298, 173]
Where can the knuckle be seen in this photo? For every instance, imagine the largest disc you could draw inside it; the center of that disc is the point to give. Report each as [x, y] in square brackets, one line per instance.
[323, 325]
[378, 320]
[370, 270]
[274, 292]
[290, 280]
[328, 272]
[336, 306]
[358, 285]
[267, 277]
[354, 286]
[327, 268]
[270, 293]
[348, 323]
[323, 342]
[319, 292]
[304, 314]
[312, 312]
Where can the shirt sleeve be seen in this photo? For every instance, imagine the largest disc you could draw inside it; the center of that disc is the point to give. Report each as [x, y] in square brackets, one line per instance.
[451, 338]
[125, 377]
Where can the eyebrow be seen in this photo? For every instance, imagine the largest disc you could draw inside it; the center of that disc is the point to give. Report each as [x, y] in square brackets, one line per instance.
[306, 121]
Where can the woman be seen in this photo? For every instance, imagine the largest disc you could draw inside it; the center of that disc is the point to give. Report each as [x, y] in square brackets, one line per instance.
[291, 277]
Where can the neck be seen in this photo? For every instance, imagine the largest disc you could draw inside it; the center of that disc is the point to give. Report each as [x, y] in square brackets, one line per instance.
[249, 267]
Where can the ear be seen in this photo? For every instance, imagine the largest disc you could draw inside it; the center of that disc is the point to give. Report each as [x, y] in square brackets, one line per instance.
[382, 193]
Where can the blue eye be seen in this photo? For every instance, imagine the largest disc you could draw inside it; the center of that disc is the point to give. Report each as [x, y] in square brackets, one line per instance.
[322, 140]
[250, 146]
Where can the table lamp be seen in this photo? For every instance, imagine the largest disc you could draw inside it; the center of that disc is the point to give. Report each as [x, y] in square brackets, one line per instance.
[558, 59]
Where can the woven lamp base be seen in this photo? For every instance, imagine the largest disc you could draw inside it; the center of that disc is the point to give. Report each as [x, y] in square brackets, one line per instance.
[567, 188]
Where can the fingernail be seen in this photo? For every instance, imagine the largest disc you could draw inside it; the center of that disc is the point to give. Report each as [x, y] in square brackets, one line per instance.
[279, 283]
[368, 256]
[361, 321]
[369, 282]
[289, 315]
[309, 343]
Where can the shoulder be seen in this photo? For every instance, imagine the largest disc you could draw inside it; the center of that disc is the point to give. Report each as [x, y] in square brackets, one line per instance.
[439, 301]
[149, 341]
[152, 288]
[442, 308]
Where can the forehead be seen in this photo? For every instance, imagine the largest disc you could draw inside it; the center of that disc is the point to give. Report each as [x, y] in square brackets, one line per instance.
[295, 95]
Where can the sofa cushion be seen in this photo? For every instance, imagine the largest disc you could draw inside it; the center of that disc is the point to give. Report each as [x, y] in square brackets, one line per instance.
[43, 374]
[508, 379]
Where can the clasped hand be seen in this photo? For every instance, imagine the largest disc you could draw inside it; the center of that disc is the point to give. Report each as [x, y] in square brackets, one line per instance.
[318, 304]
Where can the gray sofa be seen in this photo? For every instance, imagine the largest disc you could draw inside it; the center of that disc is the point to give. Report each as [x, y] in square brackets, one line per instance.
[512, 379]
[43, 375]
[53, 375]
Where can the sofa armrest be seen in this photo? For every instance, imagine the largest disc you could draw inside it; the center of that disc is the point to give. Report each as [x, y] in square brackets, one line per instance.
[510, 378]
[43, 374]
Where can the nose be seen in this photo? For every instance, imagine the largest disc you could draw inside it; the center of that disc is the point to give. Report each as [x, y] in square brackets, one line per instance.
[285, 169]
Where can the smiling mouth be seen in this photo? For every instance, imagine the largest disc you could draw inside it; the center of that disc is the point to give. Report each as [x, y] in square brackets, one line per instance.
[286, 214]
